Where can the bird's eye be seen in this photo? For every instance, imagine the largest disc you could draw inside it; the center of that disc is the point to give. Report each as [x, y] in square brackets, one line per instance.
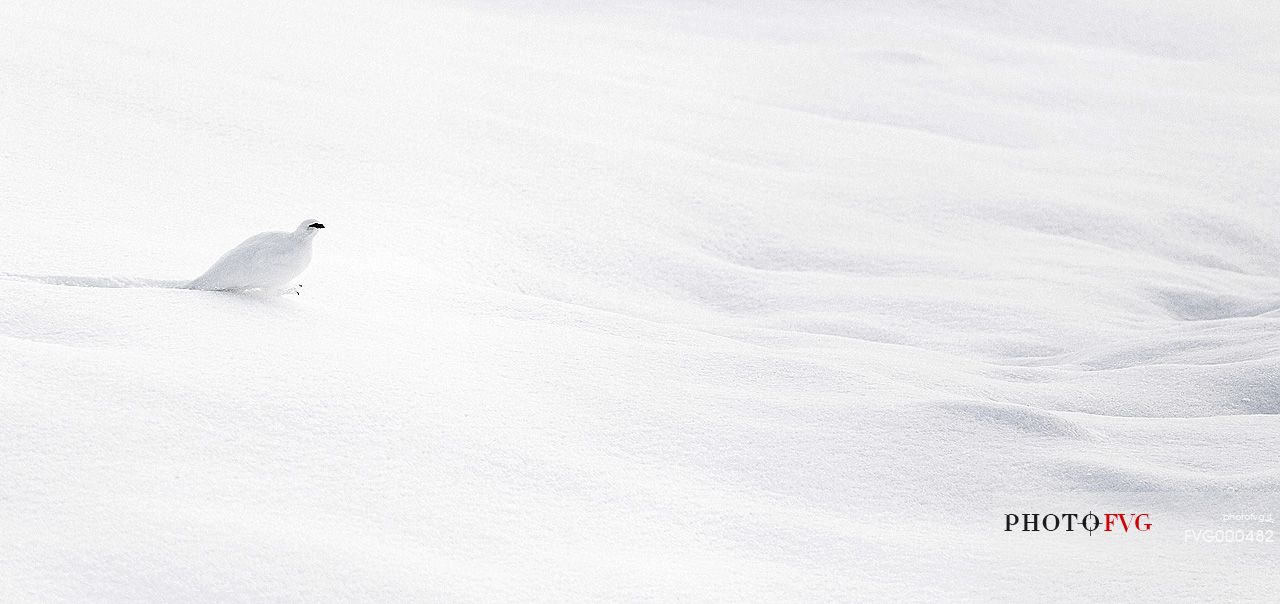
[315, 225]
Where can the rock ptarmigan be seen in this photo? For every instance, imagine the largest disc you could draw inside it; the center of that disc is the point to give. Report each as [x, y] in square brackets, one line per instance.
[264, 262]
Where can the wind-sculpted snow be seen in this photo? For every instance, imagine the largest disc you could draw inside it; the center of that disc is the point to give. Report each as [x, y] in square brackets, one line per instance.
[83, 281]
[705, 302]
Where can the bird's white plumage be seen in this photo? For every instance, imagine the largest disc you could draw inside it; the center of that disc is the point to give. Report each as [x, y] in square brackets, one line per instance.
[266, 261]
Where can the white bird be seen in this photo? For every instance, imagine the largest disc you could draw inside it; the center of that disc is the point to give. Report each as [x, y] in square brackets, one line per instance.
[266, 262]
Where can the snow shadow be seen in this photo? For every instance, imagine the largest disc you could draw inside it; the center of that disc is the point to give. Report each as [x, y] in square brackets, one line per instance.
[82, 281]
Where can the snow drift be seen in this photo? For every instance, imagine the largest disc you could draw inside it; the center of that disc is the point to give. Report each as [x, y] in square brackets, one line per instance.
[698, 301]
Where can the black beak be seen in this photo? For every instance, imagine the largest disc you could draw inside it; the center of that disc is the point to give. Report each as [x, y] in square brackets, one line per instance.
[315, 225]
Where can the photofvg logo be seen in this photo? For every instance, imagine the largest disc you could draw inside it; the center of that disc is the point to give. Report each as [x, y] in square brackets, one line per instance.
[1090, 522]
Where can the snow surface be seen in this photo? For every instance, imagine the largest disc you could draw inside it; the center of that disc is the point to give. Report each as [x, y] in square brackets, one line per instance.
[703, 301]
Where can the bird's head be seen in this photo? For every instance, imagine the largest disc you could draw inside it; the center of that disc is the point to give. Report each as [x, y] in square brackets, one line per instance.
[309, 228]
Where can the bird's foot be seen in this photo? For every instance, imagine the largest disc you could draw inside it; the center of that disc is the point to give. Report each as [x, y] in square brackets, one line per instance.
[295, 290]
